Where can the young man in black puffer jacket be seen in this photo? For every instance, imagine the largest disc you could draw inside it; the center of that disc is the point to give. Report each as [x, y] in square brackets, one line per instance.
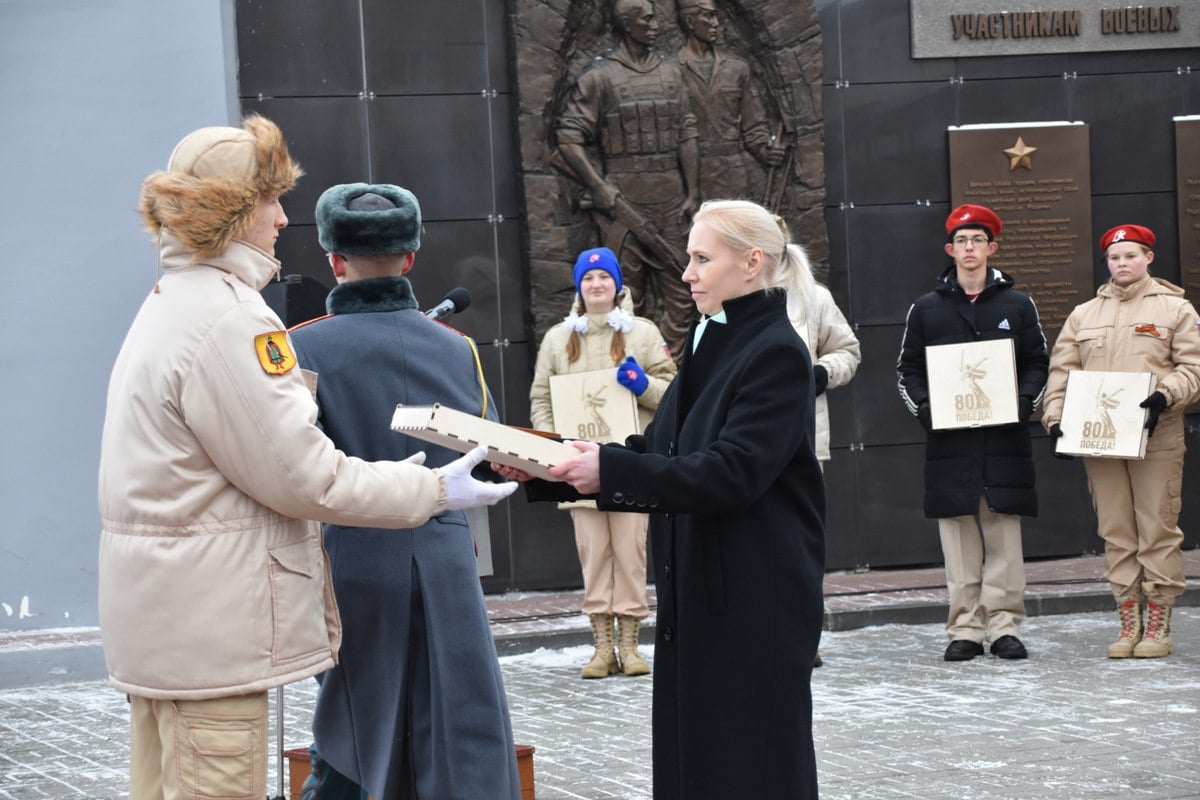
[978, 481]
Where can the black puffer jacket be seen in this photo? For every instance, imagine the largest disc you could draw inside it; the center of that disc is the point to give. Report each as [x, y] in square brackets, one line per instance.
[963, 464]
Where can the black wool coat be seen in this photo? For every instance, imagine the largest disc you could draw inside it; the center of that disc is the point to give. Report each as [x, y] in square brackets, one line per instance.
[964, 464]
[737, 501]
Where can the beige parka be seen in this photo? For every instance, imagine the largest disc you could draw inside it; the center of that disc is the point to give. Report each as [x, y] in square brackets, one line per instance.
[211, 582]
[1148, 326]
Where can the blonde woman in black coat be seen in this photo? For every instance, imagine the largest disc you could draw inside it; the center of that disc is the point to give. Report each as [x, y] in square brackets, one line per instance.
[728, 473]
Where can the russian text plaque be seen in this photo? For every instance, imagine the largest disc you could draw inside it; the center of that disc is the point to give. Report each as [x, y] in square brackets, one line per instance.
[1037, 178]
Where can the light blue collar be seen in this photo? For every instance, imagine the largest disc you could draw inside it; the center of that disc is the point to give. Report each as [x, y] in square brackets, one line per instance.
[719, 317]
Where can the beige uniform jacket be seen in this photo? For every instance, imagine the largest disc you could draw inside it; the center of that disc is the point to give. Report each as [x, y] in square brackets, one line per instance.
[832, 344]
[1146, 327]
[211, 583]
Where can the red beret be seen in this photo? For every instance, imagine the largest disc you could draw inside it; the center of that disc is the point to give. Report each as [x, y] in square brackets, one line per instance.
[1127, 233]
[975, 216]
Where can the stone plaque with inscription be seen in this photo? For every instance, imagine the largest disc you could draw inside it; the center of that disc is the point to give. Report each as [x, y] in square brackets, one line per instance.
[1036, 177]
[1187, 190]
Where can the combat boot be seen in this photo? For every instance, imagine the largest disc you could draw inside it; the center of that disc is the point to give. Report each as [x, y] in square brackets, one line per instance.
[604, 660]
[1156, 641]
[1130, 612]
[632, 662]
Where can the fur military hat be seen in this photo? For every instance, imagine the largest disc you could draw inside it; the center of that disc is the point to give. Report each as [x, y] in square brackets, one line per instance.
[212, 184]
[360, 219]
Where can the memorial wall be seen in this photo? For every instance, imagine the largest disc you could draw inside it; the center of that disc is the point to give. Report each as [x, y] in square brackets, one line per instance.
[1068, 118]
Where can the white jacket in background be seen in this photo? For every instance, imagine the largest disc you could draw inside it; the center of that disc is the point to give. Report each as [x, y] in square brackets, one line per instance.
[833, 345]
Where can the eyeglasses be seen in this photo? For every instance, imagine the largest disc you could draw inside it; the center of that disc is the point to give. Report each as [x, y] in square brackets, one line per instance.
[977, 241]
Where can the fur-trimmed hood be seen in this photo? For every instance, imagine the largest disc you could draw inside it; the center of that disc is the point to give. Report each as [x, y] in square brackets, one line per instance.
[213, 182]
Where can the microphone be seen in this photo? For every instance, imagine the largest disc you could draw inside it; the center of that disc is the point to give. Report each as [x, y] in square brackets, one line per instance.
[456, 300]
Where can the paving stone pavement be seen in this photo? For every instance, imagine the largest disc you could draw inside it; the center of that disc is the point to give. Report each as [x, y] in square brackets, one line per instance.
[892, 721]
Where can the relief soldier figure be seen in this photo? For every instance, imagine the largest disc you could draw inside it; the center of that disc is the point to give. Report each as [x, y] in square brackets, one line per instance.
[732, 124]
[630, 108]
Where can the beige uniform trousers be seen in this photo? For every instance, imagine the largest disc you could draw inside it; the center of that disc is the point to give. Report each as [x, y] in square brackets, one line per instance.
[612, 553]
[1137, 505]
[198, 749]
[985, 574]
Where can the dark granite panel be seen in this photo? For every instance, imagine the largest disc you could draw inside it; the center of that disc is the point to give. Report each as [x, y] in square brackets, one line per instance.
[425, 47]
[298, 49]
[839, 279]
[1132, 136]
[505, 156]
[893, 527]
[829, 18]
[1155, 210]
[1033, 66]
[835, 145]
[1130, 61]
[843, 544]
[843, 427]
[460, 253]
[510, 277]
[1189, 518]
[498, 41]
[464, 253]
[877, 46]
[1191, 102]
[437, 147]
[1065, 524]
[895, 256]
[896, 144]
[327, 136]
[879, 412]
[1012, 100]
[301, 254]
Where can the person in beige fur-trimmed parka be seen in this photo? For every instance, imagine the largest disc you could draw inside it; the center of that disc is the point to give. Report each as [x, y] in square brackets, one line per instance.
[1136, 323]
[213, 587]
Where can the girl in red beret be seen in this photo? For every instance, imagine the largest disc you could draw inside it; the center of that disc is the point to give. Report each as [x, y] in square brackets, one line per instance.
[1136, 323]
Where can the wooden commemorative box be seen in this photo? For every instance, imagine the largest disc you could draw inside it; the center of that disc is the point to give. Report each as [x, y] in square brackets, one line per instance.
[593, 406]
[513, 447]
[972, 385]
[1101, 414]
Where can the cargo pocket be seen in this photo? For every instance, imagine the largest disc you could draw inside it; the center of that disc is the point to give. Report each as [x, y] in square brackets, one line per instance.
[1090, 342]
[220, 747]
[297, 602]
[1174, 500]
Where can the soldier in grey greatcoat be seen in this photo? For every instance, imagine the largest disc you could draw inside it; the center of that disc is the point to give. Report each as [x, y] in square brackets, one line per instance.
[416, 706]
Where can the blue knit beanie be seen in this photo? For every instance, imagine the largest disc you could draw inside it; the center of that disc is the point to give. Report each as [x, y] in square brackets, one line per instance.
[597, 258]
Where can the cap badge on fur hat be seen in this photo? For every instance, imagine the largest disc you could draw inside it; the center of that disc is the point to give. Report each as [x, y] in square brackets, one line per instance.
[597, 258]
[973, 216]
[360, 219]
[1127, 233]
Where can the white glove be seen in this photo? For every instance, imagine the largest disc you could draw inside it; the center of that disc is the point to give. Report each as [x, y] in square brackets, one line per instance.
[416, 459]
[464, 491]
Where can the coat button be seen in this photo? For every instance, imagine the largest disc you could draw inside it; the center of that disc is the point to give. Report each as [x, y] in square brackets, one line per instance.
[654, 502]
[667, 570]
[670, 448]
[630, 500]
[617, 497]
[668, 634]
